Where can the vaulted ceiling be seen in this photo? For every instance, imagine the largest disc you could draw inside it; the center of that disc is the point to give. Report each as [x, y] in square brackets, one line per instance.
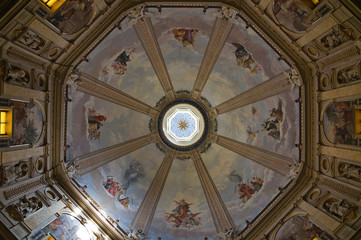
[246, 65]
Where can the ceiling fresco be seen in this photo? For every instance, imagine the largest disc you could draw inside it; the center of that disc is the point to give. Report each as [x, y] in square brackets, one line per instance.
[271, 124]
[121, 62]
[119, 186]
[95, 124]
[245, 186]
[244, 62]
[182, 184]
[183, 35]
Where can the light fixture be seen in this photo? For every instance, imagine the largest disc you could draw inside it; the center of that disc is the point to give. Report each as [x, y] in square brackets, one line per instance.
[6, 120]
[52, 5]
[3, 123]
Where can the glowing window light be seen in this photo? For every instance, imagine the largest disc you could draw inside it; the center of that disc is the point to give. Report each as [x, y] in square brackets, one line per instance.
[315, 1]
[83, 233]
[3, 123]
[53, 5]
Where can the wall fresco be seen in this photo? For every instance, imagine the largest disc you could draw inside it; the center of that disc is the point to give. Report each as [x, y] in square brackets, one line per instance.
[72, 16]
[63, 227]
[339, 123]
[28, 123]
[300, 228]
[297, 16]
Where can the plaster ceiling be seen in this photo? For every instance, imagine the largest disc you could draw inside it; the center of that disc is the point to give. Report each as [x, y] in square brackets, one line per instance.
[115, 124]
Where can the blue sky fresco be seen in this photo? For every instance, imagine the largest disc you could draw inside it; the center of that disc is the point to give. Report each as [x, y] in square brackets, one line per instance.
[118, 126]
[120, 61]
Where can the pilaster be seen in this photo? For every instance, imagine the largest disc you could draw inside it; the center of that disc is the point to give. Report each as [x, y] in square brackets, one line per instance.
[262, 91]
[146, 35]
[144, 216]
[221, 30]
[221, 217]
[91, 161]
[97, 88]
[276, 162]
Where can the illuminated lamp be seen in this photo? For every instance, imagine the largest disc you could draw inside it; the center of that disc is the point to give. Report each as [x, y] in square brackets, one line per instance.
[5, 123]
[52, 5]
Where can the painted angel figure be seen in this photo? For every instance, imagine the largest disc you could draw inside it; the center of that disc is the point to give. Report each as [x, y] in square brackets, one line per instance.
[245, 59]
[277, 113]
[186, 36]
[120, 62]
[182, 209]
[251, 134]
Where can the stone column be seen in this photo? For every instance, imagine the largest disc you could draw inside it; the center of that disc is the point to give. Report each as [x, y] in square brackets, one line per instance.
[221, 217]
[348, 91]
[92, 86]
[90, 161]
[221, 30]
[262, 91]
[144, 29]
[144, 216]
[276, 162]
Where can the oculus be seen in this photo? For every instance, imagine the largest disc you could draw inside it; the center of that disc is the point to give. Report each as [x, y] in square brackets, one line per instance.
[183, 124]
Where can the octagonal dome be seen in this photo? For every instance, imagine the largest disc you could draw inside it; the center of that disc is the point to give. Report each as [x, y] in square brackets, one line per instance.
[174, 132]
